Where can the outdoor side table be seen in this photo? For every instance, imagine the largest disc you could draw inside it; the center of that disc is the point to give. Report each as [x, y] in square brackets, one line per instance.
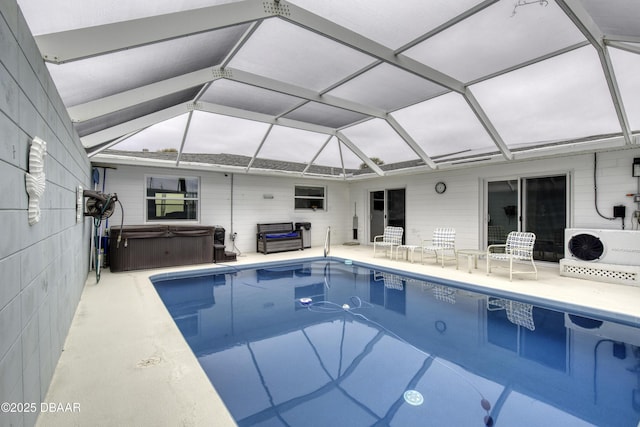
[472, 257]
[408, 249]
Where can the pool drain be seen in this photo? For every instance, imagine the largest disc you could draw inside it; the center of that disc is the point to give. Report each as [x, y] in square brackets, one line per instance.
[413, 397]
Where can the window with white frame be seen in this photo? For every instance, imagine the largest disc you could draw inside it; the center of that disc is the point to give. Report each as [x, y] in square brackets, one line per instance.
[172, 198]
[310, 197]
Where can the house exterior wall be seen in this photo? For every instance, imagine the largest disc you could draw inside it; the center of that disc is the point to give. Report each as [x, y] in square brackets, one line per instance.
[217, 190]
[461, 206]
[43, 267]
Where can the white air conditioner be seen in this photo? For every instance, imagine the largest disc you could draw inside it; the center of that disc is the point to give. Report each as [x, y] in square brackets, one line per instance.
[602, 255]
[620, 247]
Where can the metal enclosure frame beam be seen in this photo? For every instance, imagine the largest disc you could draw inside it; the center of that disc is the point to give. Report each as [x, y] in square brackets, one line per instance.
[583, 21]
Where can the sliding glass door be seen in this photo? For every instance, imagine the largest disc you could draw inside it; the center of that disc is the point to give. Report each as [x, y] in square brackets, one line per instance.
[537, 204]
[386, 207]
[502, 215]
[545, 207]
[376, 214]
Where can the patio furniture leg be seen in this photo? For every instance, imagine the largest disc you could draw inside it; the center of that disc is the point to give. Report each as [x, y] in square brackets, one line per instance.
[511, 269]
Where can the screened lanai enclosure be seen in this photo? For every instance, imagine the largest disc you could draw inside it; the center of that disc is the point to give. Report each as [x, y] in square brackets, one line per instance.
[342, 89]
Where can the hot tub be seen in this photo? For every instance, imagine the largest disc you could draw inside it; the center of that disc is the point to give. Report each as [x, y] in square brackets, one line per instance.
[153, 246]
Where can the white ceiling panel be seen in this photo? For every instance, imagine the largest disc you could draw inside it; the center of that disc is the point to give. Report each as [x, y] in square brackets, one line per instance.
[444, 126]
[414, 83]
[166, 135]
[238, 95]
[616, 18]
[495, 39]
[377, 139]
[396, 23]
[388, 88]
[335, 154]
[292, 145]
[562, 98]
[63, 15]
[218, 134]
[125, 115]
[286, 52]
[325, 115]
[97, 77]
[627, 69]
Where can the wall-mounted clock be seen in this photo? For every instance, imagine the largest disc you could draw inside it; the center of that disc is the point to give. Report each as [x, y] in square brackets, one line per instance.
[441, 187]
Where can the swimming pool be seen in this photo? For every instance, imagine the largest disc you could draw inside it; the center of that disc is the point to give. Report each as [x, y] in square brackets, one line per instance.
[326, 342]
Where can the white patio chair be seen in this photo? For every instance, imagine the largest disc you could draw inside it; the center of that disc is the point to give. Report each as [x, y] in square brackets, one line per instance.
[443, 241]
[391, 238]
[519, 247]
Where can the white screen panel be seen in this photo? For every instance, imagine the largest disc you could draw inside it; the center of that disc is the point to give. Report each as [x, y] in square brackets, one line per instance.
[376, 138]
[387, 87]
[324, 115]
[51, 16]
[626, 67]
[92, 78]
[239, 95]
[615, 18]
[291, 145]
[562, 98]
[390, 24]
[165, 135]
[332, 154]
[216, 134]
[445, 125]
[288, 53]
[493, 40]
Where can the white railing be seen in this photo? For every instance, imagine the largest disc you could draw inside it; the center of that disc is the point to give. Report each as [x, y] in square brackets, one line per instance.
[327, 242]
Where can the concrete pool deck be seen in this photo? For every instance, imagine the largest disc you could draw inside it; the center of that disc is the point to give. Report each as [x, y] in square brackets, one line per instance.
[125, 362]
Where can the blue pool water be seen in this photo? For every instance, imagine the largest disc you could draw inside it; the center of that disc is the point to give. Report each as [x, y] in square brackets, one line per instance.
[321, 342]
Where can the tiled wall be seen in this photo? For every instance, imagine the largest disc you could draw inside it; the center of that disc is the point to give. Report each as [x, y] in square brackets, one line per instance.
[43, 267]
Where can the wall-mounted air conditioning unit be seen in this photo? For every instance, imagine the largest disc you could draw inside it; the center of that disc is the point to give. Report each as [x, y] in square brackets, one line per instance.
[602, 255]
[608, 246]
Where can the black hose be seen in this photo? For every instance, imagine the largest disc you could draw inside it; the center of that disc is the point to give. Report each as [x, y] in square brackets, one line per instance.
[121, 222]
[595, 187]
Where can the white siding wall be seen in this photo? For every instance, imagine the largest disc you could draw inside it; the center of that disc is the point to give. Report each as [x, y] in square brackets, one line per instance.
[251, 208]
[458, 207]
[43, 267]
[249, 205]
[614, 182]
[425, 209]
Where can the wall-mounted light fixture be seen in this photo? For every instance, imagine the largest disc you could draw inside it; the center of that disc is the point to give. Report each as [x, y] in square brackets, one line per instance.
[267, 196]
